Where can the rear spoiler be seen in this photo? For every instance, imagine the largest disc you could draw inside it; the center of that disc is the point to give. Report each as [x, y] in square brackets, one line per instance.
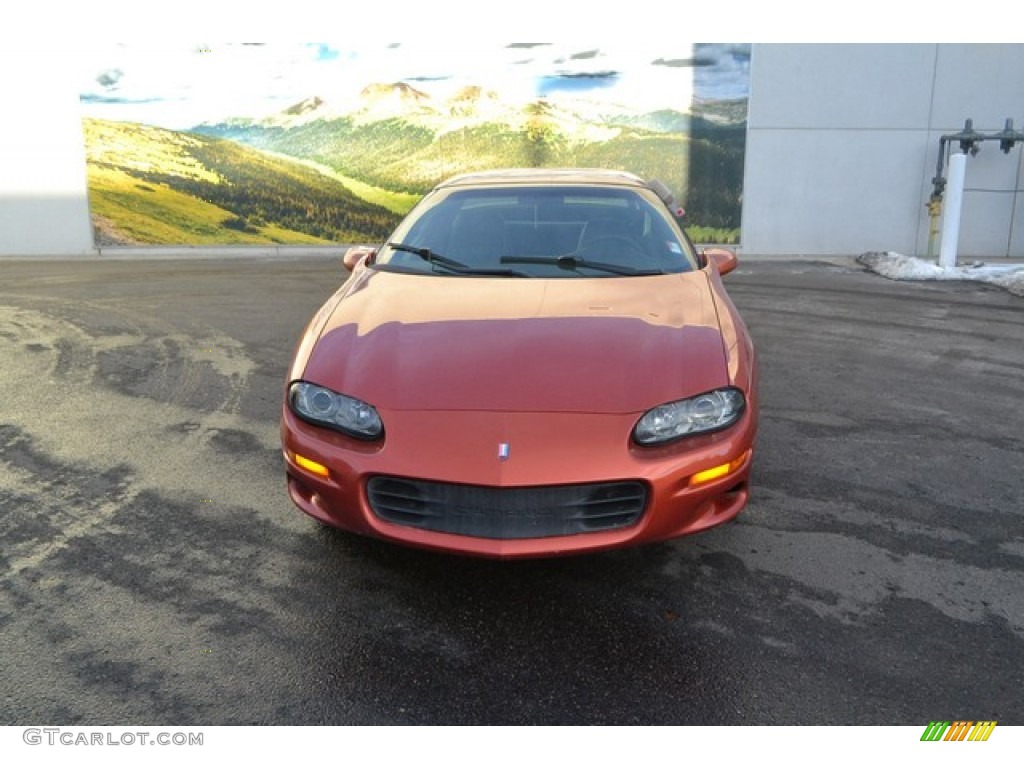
[662, 191]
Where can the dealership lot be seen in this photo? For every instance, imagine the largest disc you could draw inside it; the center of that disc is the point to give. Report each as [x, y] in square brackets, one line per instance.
[153, 569]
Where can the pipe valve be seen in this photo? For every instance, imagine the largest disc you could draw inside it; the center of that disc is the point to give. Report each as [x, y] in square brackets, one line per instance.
[970, 140]
[1008, 137]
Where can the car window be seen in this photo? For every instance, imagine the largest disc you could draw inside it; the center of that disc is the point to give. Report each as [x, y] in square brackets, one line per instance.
[528, 228]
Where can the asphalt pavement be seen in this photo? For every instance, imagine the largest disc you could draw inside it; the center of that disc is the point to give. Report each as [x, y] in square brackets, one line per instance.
[153, 570]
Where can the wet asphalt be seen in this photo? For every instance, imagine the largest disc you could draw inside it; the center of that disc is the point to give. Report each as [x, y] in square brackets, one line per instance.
[153, 570]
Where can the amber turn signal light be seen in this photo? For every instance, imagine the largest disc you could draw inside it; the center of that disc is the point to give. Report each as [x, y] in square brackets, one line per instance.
[311, 466]
[707, 475]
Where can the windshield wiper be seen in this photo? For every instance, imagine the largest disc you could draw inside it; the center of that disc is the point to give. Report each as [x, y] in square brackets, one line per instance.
[428, 255]
[568, 261]
[436, 259]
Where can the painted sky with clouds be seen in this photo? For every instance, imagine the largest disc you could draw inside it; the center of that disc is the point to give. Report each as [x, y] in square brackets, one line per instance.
[183, 85]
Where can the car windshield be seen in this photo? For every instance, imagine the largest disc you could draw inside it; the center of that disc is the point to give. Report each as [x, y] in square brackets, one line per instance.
[557, 232]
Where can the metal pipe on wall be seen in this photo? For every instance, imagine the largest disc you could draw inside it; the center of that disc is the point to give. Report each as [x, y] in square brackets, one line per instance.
[970, 141]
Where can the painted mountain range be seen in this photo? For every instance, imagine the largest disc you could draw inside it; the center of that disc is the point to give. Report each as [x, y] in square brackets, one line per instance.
[398, 138]
[318, 172]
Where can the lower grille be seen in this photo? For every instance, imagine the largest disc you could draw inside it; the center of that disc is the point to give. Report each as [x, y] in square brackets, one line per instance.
[507, 513]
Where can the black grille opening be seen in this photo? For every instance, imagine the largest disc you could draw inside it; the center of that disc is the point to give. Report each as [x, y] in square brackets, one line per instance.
[507, 513]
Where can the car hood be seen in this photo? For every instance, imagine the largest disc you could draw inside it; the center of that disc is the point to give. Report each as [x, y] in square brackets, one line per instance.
[588, 345]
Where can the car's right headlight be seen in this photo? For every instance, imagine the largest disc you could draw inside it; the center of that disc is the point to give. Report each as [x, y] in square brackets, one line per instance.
[709, 412]
[328, 408]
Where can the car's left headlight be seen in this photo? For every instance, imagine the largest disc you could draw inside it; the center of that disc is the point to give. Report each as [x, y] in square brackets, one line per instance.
[327, 408]
[709, 412]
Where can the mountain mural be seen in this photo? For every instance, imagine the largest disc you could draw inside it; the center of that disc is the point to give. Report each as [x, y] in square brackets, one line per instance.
[319, 173]
[150, 185]
[325, 142]
[398, 138]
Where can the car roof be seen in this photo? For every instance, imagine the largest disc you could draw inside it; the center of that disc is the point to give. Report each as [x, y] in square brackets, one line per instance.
[544, 176]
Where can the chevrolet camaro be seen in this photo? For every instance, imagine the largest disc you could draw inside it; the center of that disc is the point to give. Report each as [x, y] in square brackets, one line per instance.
[535, 363]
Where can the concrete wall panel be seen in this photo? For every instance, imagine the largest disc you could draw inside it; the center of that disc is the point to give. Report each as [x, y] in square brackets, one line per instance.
[982, 82]
[849, 87]
[813, 108]
[831, 192]
[43, 201]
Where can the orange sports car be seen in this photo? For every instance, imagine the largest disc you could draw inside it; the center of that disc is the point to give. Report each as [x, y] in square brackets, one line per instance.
[537, 363]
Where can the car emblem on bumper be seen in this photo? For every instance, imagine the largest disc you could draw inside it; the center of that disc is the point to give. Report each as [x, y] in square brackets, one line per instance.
[503, 451]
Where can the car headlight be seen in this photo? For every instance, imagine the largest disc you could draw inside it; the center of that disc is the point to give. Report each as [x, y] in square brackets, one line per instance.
[711, 411]
[327, 408]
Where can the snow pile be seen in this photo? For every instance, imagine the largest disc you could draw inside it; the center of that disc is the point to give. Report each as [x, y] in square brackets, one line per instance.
[896, 266]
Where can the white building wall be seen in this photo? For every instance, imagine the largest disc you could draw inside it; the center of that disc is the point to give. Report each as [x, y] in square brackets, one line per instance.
[843, 141]
[44, 206]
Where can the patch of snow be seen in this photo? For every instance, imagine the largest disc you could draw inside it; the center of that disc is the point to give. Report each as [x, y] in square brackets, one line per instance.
[897, 266]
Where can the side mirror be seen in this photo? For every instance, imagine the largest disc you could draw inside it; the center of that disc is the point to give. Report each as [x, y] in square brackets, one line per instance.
[356, 254]
[725, 260]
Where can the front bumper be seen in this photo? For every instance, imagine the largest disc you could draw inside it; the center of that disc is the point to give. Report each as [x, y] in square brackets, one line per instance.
[548, 452]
